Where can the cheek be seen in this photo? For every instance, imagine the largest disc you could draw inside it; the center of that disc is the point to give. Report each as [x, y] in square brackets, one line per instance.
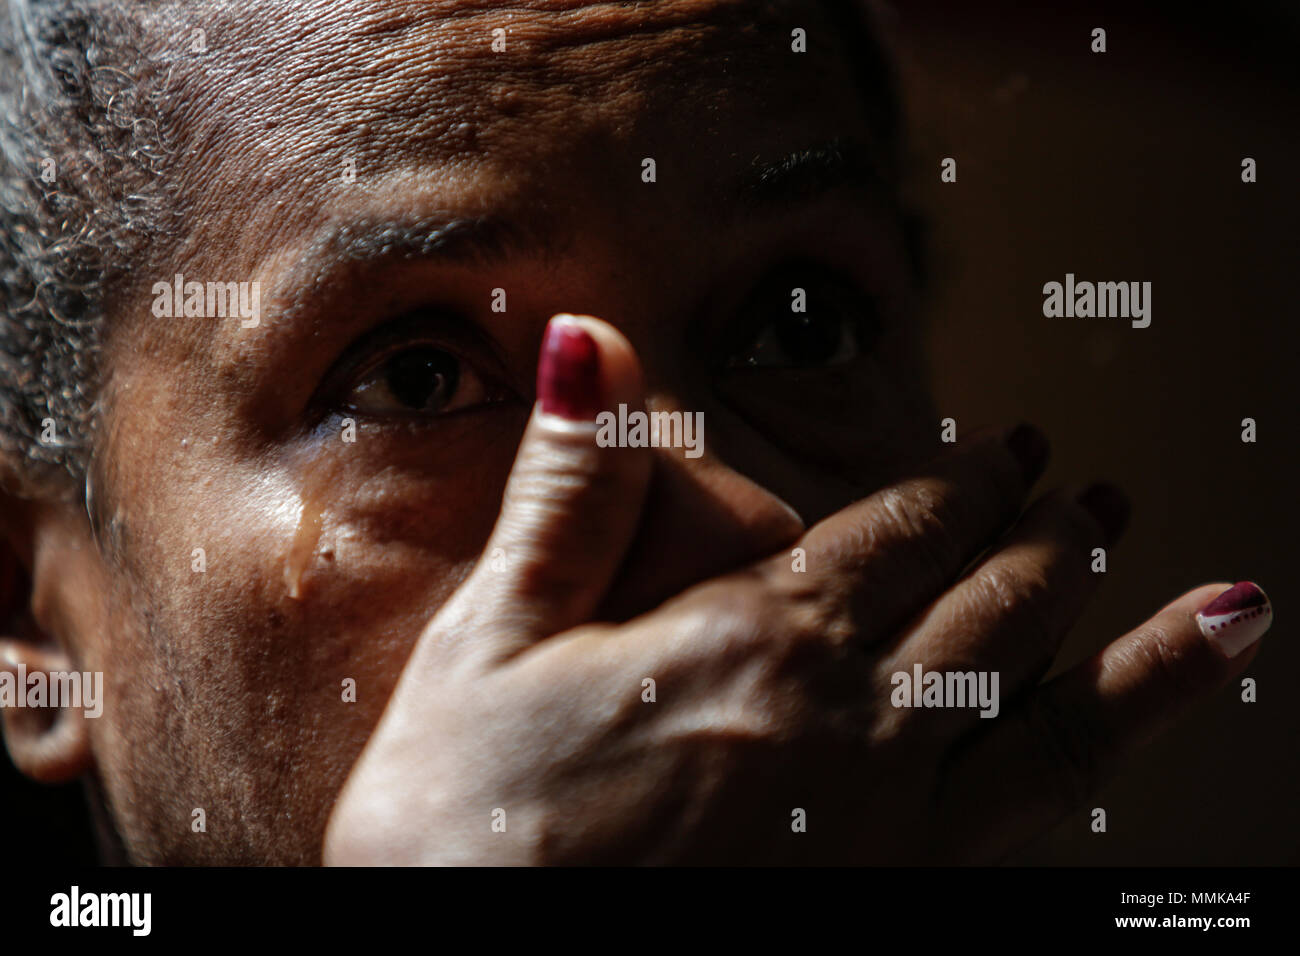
[346, 557]
[286, 599]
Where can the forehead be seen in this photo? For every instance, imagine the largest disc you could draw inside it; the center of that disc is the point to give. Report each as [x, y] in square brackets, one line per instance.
[288, 93]
[433, 65]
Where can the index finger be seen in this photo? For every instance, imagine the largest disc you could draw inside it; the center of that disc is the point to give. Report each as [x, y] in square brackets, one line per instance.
[901, 547]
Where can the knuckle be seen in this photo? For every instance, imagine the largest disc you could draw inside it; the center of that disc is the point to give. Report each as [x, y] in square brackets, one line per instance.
[725, 624]
[818, 616]
[917, 509]
[559, 472]
[924, 516]
[1164, 661]
[852, 547]
[1012, 589]
[803, 638]
[536, 572]
[1020, 594]
[812, 607]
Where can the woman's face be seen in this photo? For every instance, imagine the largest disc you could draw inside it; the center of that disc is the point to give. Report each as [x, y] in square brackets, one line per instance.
[415, 202]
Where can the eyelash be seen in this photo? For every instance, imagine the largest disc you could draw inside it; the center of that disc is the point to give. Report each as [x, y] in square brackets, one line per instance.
[770, 300]
[381, 375]
[774, 298]
[408, 335]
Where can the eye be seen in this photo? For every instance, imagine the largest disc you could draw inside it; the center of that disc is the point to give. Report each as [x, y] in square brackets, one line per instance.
[803, 316]
[421, 380]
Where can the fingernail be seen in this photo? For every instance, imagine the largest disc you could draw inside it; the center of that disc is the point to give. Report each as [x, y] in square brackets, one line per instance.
[1237, 618]
[1030, 447]
[568, 372]
[1108, 506]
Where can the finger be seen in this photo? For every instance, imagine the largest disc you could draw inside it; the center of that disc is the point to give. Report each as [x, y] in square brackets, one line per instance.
[1010, 614]
[904, 545]
[570, 507]
[1048, 755]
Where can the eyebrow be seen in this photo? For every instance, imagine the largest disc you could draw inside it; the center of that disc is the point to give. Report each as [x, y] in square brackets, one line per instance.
[438, 236]
[807, 174]
[479, 240]
[798, 177]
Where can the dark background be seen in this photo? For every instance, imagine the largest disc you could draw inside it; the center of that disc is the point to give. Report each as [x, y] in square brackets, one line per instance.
[1122, 166]
[1127, 166]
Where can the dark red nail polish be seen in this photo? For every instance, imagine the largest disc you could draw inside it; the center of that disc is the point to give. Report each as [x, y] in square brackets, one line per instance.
[568, 372]
[1108, 507]
[1239, 597]
[1030, 447]
[1237, 618]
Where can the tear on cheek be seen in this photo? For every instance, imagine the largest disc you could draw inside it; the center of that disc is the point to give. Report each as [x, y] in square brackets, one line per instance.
[316, 481]
[302, 549]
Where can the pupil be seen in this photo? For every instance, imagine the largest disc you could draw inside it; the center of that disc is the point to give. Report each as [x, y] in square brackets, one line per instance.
[423, 379]
[809, 338]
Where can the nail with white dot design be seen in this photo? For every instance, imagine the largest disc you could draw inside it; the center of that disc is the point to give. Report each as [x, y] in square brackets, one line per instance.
[1237, 618]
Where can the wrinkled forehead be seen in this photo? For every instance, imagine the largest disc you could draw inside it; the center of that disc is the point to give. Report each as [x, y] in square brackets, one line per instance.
[294, 89]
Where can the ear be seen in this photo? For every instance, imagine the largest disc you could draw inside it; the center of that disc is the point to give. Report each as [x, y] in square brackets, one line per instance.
[44, 707]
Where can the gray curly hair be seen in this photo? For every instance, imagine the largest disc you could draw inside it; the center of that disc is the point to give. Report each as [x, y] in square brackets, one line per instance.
[81, 144]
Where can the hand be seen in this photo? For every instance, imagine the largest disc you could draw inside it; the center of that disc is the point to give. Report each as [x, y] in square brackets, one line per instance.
[521, 732]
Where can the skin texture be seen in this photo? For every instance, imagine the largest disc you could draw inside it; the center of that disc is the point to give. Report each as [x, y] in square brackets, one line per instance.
[224, 688]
